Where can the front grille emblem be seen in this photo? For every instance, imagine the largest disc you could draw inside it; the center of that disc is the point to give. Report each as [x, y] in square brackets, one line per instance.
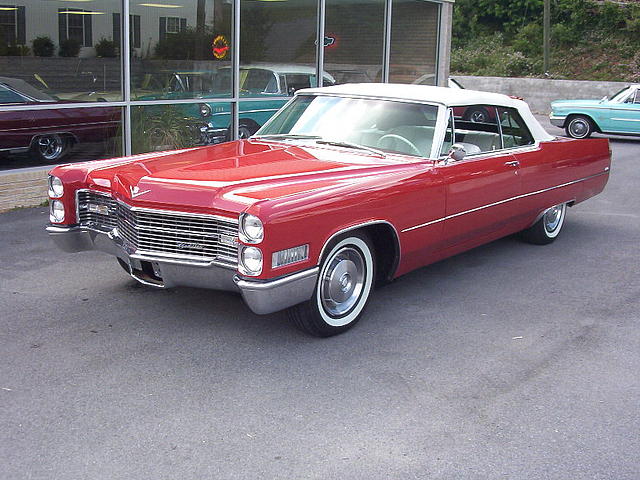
[135, 191]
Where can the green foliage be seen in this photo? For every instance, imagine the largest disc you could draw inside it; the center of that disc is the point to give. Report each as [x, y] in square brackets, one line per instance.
[69, 48]
[43, 47]
[106, 48]
[589, 39]
[162, 128]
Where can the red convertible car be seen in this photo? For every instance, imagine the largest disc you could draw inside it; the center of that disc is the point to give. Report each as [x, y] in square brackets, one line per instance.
[344, 187]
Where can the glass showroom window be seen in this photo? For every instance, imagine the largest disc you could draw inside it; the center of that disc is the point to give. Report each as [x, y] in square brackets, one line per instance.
[353, 40]
[414, 42]
[185, 51]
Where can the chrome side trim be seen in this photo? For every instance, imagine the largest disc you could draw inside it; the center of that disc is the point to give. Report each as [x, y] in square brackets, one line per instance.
[448, 217]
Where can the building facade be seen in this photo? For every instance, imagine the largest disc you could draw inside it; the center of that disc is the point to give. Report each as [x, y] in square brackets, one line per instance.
[78, 83]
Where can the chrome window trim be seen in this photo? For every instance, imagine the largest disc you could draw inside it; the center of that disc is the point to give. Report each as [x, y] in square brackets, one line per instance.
[517, 197]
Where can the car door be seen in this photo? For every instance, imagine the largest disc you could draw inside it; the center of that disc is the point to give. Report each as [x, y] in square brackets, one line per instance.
[623, 116]
[482, 189]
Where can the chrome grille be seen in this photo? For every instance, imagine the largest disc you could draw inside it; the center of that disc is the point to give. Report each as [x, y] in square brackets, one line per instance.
[96, 210]
[170, 234]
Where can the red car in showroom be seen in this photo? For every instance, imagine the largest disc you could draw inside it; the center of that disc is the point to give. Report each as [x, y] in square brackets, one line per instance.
[48, 135]
[345, 186]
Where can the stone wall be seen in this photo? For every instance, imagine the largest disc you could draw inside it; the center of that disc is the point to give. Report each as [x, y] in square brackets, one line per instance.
[23, 188]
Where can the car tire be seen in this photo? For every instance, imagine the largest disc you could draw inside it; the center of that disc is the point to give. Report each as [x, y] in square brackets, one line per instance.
[477, 115]
[579, 126]
[345, 281]
[548, 226]
[245, 131]
[50, 148]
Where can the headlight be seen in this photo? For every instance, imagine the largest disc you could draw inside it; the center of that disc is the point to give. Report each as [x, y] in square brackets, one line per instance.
[250, 261]
[56, 211]
[251, 229]
[56, 188]
[205, 110]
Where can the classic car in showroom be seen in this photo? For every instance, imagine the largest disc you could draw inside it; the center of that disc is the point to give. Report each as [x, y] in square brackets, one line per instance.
[48, 135]
[344, 188]
[267, 82]
[617, 115]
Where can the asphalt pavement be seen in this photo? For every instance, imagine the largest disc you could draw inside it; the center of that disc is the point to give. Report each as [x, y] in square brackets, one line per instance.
[509, 361]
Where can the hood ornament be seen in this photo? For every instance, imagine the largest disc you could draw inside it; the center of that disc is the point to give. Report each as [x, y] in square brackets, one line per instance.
[135, 191]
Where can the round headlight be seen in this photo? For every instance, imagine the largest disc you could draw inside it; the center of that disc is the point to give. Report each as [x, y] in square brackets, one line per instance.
[251, 229]
[56, 188]
[205, 109]
[251, 260]
[56, 211]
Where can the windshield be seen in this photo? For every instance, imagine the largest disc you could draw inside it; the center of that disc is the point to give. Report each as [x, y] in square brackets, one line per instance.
[618, 96]
[389, 126]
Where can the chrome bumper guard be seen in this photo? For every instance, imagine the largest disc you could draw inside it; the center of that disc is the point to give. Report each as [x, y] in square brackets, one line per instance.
[262, 297]
[557, 121]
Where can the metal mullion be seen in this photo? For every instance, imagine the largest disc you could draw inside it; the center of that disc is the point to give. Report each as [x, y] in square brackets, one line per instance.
[58, 106]
[320, 42]
[126, 76]
[386, 50]
[235, 67]
[142, 103]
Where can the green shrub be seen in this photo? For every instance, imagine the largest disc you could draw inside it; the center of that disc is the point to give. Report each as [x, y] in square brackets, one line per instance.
[69, 48]
[43, 47]
[106, 48]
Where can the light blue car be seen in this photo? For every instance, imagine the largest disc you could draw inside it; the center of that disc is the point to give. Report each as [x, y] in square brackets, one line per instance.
[619, 114]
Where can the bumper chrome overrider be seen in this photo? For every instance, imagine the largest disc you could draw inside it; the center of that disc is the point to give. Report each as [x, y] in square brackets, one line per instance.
[557, 120]
[262, 296]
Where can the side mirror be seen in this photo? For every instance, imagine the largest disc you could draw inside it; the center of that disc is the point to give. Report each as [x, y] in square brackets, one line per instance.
[456, 152]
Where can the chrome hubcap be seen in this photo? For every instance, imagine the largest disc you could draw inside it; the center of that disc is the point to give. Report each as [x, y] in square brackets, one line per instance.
[342, 282]
[578, 128]
[552, 217]
[50, 146]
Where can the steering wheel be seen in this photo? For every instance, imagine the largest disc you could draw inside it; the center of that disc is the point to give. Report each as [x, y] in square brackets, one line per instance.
[407, 142]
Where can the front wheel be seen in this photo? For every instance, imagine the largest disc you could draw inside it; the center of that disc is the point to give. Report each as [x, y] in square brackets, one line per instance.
[579, 127]
[548, 227]
[344, 284]
[50, 148]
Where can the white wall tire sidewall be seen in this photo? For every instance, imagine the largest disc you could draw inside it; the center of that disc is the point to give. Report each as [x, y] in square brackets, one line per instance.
[581, 120]
[368, 283]
[556, 231]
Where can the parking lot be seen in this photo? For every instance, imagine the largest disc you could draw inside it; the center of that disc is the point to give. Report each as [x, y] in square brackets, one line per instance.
[509, 361]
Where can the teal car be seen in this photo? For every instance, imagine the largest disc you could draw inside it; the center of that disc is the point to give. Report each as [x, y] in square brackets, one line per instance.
[265, 85]
[619, 114]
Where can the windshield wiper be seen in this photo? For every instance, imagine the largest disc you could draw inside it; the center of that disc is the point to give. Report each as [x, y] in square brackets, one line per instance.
[352, 145]
[285, 136]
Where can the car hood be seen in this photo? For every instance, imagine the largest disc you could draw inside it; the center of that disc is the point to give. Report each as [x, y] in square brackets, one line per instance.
[231, 176]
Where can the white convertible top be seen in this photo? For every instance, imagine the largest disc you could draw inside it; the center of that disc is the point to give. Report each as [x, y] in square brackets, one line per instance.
[449, 97]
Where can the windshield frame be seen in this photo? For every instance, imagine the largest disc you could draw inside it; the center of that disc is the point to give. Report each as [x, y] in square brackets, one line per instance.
[438, 134]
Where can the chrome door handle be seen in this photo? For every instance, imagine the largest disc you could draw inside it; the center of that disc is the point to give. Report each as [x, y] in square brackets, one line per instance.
[515, 163]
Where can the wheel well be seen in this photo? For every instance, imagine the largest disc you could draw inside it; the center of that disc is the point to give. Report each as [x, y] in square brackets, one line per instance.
[249, 123]
[387, 249]
[596, 128]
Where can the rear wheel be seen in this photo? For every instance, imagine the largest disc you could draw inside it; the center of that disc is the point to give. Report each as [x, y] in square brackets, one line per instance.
[50, 148]
[548, 227]
[579, 126]
[344, 284]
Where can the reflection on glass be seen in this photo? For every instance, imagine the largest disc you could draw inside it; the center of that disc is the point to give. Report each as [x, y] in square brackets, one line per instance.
[45, 137]
[66, 52]
[354, 38]
[357, 123]
[277, 47]
[181, 49]
[168, 127]
[414, 42]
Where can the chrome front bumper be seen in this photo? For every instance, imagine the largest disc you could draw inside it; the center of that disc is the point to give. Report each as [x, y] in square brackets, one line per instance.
[557, 121]
[262, 297]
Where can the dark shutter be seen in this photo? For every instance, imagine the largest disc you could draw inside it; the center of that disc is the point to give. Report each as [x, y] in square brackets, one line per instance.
[20, 27]
[136, 31]
[116, 29]
[88, 34]
[62, 25]
[163, 28]
[183, 24]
